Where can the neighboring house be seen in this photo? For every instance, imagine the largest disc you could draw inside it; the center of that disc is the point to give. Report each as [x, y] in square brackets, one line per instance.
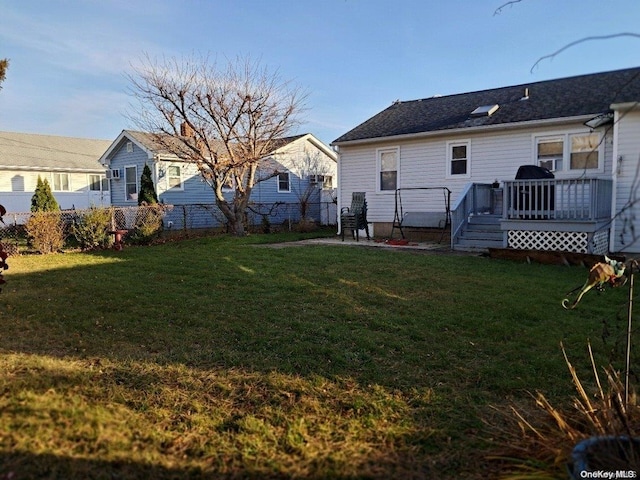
[584, 129]
[70, 165]
[180, 184]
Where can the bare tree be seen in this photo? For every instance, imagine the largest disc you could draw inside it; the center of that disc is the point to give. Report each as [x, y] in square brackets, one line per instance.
[4, 65]
[304, 167]
[224, 119]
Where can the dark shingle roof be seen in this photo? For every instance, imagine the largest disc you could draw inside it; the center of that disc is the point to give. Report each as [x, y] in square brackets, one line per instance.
[560, 98]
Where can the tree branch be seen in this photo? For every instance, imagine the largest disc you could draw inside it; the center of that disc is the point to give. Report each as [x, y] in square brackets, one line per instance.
[583, 40]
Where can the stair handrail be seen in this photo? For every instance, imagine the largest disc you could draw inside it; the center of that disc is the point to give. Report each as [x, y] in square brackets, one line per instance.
[465, 206]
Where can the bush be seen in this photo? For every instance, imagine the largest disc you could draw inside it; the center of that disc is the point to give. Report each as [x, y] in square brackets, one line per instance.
[45, 231]
[91, 229]
[306, 225]
[148, 225]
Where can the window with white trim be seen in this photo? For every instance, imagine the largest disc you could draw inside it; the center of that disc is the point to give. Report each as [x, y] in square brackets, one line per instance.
[584, 152]
[284, 183]
[61, 182]
[174, 177]
[569, 152]
[459, 159]
[388, 168]
[131, 183]
[98, 183]
[550, 153]
[324, 181]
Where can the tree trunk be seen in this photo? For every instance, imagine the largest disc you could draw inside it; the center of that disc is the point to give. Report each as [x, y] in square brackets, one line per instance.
[235, 213]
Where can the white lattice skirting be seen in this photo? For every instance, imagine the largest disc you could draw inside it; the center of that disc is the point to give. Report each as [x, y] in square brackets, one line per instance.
[577, 242]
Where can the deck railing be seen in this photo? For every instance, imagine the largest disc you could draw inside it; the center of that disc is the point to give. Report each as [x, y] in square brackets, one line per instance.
[581, 199]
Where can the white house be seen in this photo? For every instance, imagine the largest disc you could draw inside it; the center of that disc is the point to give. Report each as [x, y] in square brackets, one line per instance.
[583, 131]
[70, 165]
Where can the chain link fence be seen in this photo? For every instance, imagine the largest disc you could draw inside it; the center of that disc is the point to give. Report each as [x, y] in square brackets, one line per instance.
[261, 217]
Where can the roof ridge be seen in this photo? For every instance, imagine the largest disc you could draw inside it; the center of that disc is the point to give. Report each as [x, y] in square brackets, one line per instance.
[520, 85]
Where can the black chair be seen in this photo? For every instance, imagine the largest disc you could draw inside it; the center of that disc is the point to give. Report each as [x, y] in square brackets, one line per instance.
[354, 218]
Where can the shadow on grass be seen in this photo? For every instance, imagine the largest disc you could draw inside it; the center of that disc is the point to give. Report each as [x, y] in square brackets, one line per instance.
[290, 346]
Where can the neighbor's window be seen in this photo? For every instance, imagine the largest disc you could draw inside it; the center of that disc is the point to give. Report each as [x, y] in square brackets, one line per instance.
[388, 163]
[131, 183]
[550, 153]
[584, 151]
[284, 185]
[61, 182]
[97, 183]
[325, 181]
[174, 177]
[458, 156]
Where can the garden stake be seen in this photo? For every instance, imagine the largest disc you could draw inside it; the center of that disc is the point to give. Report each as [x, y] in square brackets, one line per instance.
[632, 266]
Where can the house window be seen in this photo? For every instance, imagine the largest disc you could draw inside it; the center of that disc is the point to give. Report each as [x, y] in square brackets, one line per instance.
[284, 185]
[98, 183]
[61, 182]
[458, 161]
[569, 152]
[388, 167]
[131, 183]
[584, 152]
[174, 177]
[325, 181]
[550, 153]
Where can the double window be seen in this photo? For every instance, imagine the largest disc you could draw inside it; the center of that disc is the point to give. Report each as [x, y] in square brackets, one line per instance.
[61, 182]
[569, 152]
[388, 169]
[98, 183]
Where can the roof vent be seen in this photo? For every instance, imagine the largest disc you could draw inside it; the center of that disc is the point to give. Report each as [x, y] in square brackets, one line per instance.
[526, 95]
[485, 110]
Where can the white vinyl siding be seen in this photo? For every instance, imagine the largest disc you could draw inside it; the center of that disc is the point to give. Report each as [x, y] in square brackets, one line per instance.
[494, 156]
[624, 238]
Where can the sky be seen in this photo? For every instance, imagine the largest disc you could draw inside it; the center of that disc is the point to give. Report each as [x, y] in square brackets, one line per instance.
[70, 60]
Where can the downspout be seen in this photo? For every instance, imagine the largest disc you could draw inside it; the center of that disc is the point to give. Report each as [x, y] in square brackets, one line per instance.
[339, 187]
[156, 160]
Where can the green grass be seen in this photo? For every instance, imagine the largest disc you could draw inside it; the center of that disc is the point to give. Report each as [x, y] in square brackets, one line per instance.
[224, 358]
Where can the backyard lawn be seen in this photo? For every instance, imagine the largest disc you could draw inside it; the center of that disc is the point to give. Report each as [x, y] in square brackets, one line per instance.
[226, 358]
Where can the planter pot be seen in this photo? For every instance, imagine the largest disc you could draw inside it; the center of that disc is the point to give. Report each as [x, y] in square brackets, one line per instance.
[619, 455]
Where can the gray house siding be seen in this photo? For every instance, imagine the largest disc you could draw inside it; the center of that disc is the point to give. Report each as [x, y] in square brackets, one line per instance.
[120, 161]
[193, 199]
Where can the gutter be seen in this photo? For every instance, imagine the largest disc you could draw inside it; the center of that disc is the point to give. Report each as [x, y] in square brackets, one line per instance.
[51, 169]
[466, 130]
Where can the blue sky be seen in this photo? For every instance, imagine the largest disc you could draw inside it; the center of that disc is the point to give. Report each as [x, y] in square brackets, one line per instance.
[69, 58]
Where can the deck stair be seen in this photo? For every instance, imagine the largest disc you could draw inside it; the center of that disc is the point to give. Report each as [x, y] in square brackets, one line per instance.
[480, 233]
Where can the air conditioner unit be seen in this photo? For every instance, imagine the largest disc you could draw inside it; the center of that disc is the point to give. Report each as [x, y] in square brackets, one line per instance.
[114, 174]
